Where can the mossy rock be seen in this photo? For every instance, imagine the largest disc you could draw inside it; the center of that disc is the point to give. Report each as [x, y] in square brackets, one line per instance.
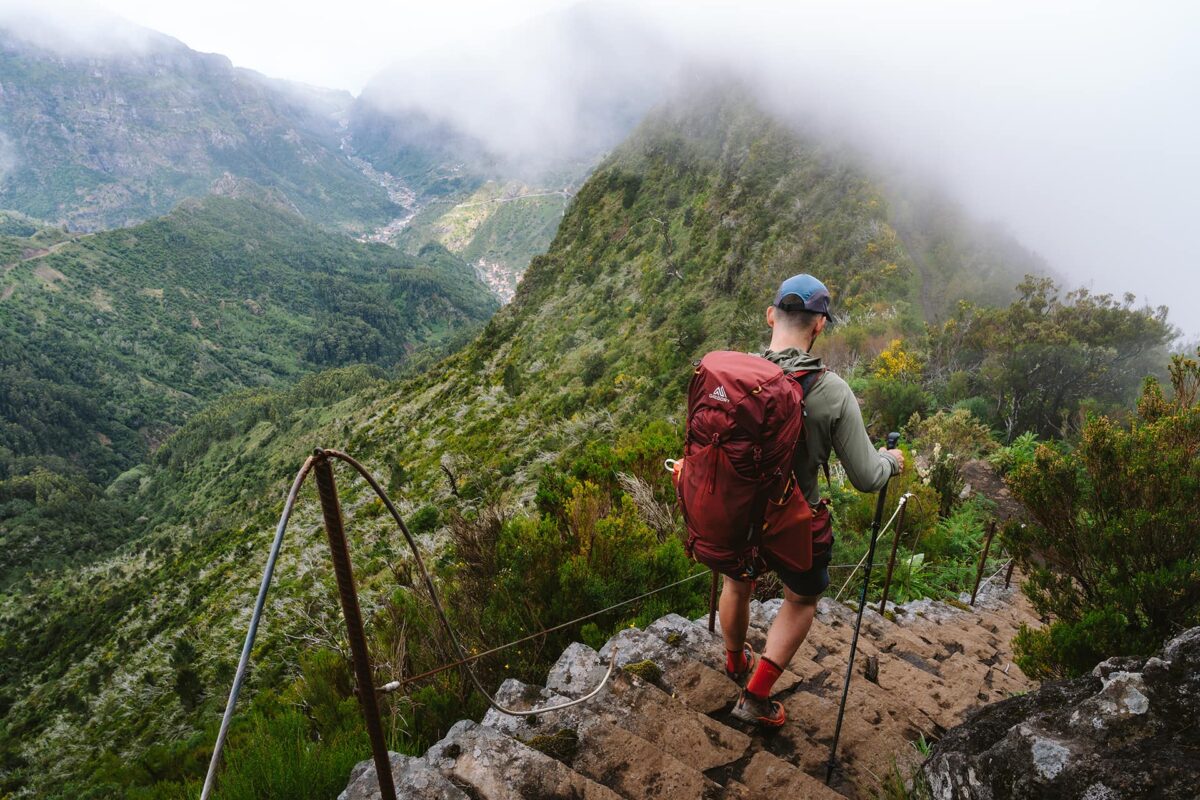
[674, 639]
[561, 745]
[646, 670]
[959, 604]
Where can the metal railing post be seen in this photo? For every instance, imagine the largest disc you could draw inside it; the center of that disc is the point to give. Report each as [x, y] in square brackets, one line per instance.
[987, 545]
[1008, 575]
[887, 578]
[331, 510]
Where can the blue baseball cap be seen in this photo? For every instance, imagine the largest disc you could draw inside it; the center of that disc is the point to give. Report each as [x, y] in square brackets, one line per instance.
[804, 292]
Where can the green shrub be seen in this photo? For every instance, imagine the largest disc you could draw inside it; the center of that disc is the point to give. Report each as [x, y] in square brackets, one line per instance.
[281, 759]
[424, 519]
[1113, 550]
[959, 432]
[889, 402]
[1019, 453]
[979, 407]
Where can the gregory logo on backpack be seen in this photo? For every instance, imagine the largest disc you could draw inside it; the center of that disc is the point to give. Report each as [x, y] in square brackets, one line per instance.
[719, 394]
[735, 487]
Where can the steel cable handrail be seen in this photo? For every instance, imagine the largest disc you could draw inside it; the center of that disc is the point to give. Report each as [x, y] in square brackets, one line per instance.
[899, 505]
[445, 621]
[464, 660]
[244, 661]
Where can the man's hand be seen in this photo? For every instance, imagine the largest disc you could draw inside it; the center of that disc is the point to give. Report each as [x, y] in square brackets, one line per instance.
[896, 454]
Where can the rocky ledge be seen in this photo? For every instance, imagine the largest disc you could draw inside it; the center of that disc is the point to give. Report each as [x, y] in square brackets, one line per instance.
[1128, 730]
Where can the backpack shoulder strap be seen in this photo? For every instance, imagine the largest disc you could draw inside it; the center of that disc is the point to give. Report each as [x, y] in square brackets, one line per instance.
[807, 380]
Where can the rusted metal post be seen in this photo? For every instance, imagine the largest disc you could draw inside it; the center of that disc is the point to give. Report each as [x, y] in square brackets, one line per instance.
[712, 604]
[331, 510]
[987, 545]
[887, 578]
[1012, 564]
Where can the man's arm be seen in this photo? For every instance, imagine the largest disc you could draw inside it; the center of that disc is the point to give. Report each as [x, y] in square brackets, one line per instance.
[867, 468]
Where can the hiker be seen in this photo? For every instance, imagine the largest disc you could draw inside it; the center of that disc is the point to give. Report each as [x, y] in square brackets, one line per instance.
[731, 403]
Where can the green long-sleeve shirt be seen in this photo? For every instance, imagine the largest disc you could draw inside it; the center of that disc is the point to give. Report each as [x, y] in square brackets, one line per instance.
[833, 422]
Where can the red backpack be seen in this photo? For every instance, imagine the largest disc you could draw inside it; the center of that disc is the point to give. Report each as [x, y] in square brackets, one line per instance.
[735, 482]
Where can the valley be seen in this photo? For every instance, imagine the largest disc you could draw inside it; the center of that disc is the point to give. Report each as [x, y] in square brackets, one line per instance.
[206, 273]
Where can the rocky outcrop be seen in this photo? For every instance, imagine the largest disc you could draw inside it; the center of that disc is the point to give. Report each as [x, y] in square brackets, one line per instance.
[660, 729]
[1128, 730]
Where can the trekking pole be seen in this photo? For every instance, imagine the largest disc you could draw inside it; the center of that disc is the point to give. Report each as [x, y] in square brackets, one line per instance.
[892, 440]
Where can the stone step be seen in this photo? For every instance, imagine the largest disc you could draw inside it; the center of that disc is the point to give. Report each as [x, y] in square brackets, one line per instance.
[707, 647]
[414, 779]
[644, 709]
[769, 776]
[661, 728]
[602, 750]
[869, 746]
[697, 685]
[492, 766]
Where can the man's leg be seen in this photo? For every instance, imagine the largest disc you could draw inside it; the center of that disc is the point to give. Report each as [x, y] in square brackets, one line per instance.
[790, 627]
[787, 633]
[734, 609]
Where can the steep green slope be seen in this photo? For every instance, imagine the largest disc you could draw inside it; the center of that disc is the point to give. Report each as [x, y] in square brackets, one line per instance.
[956, 258]
[672, 248]
[109, 342]
[98, 141]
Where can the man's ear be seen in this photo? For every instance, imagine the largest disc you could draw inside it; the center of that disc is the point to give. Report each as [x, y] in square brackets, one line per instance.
[770, 316]
[820, 326]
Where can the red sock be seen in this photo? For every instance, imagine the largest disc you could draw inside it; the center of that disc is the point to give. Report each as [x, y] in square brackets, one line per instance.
[764, 678]
[735, 660]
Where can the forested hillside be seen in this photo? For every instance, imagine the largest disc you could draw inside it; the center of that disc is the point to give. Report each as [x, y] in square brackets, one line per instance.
[530, 461]
[109, 342]
[98, 139]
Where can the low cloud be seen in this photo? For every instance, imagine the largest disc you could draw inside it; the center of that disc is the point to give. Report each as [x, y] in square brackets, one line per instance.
[1071, 124]
[77, 29]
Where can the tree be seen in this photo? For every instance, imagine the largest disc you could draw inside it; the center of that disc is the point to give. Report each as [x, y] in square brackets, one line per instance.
[186, 680]
[1042, 357]
[1113, 550]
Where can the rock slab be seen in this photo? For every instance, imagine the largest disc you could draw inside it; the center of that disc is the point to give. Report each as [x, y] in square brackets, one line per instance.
[1128, 730]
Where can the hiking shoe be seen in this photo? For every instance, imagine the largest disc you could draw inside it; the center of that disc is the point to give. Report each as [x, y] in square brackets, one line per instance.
[758, 711]
[751, 663]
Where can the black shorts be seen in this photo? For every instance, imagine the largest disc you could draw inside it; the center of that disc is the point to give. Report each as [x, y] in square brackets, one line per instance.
[809, 583]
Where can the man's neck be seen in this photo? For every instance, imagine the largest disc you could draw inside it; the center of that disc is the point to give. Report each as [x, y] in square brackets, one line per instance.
[782, 341]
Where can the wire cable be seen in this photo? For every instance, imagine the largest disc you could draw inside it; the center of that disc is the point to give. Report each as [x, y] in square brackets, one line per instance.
[394, 685]
[259, 602]
[441, 612]
[903, 502]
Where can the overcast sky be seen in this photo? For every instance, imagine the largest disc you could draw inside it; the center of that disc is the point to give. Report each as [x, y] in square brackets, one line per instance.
[336, 44]
[1074, 124]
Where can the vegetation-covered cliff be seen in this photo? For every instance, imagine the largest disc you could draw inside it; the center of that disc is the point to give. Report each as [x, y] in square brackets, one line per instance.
[103, 139]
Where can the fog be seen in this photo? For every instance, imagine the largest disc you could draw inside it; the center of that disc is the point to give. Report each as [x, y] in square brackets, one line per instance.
[1071, 124]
